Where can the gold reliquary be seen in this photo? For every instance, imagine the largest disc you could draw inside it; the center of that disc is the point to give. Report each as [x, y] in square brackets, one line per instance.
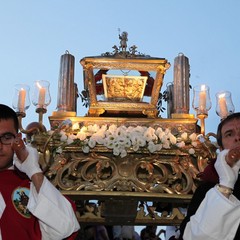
[123, 84]
[123, 88]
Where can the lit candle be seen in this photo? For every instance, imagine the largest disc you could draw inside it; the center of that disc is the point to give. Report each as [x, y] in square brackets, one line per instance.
[223, 105]
[41, 97]
[21, 100]
[202, 99]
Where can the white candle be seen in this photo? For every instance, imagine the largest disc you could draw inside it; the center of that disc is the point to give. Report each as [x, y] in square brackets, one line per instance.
[202, 99]
[21, 100]
[41, 97]
[223, 106]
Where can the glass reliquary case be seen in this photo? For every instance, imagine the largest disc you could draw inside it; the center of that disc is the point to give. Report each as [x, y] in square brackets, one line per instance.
[123, 83]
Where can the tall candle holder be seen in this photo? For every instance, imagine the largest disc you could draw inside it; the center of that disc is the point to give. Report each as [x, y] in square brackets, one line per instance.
[224, 106]
[201, 103]
[181, 84]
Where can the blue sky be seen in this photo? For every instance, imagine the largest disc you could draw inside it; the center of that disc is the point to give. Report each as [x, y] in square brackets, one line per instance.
[34, 35]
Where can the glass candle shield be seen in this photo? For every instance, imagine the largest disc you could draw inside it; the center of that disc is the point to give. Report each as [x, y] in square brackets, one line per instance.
[224, 104]
[201, 99]
[21, 100]
[41, 95]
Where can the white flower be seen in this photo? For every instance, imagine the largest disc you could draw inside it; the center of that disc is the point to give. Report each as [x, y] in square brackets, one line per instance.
[69, 141]
[112, 128]
[122, 138]
[165, 141]
[91, 143]
[128, 142]
[135, 147]
[161, 134]
[103, 128]
[180, 144]
[191, 151]
[193, 137]
[141, 142]
[93, 128]
[81, 135]
[75, 126]
[172, 138]
[109, 141]
[194, 143]
[150, 135]
[120, 141]
[63, 137]
[166, 145]
[159, 130]
[100, 140]
[159, 147]
[151, 147]
[140, 129]
[116, 151]
[167, 131]
[123, 153]
[85, 149]
[130, 129]
[184, 136]
[138, 139]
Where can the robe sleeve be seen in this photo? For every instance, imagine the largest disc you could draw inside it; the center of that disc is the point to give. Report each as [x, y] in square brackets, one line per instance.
[216, 218]
[56, 216]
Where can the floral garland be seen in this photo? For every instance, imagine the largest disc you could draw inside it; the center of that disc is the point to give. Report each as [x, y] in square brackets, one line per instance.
[121, 138]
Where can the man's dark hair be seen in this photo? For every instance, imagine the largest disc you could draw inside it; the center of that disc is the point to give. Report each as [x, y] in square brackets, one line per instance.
[219, 129]
[8, 113]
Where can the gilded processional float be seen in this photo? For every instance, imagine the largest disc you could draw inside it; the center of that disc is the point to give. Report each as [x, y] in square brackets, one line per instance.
[123, 163]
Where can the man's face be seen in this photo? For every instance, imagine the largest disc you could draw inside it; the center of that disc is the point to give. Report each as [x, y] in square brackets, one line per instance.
[6, 152]
[231, 134]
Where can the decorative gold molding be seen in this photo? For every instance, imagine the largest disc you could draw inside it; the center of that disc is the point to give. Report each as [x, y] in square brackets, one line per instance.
[167, 176]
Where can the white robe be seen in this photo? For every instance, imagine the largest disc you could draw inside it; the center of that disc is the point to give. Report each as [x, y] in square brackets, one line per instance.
[217, 218]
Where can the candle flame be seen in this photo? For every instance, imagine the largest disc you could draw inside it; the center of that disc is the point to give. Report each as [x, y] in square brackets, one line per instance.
[38, 85]
[203, 87]
[222, 95]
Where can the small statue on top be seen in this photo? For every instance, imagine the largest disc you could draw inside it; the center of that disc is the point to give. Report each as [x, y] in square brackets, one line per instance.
[123, 41]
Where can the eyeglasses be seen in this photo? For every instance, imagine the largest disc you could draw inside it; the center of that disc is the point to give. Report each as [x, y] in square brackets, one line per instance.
[7, 138]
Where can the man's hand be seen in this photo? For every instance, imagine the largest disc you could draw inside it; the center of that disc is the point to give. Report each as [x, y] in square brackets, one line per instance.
[227, 175]
[30, 165]
[19, 148]
[233, 156]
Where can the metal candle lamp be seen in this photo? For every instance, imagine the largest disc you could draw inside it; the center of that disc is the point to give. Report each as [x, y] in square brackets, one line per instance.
[201, 103]
[40, 98]
[224, 106]
[21, 101]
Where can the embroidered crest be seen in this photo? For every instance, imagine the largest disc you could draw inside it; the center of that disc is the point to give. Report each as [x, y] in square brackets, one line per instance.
[20, 198]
